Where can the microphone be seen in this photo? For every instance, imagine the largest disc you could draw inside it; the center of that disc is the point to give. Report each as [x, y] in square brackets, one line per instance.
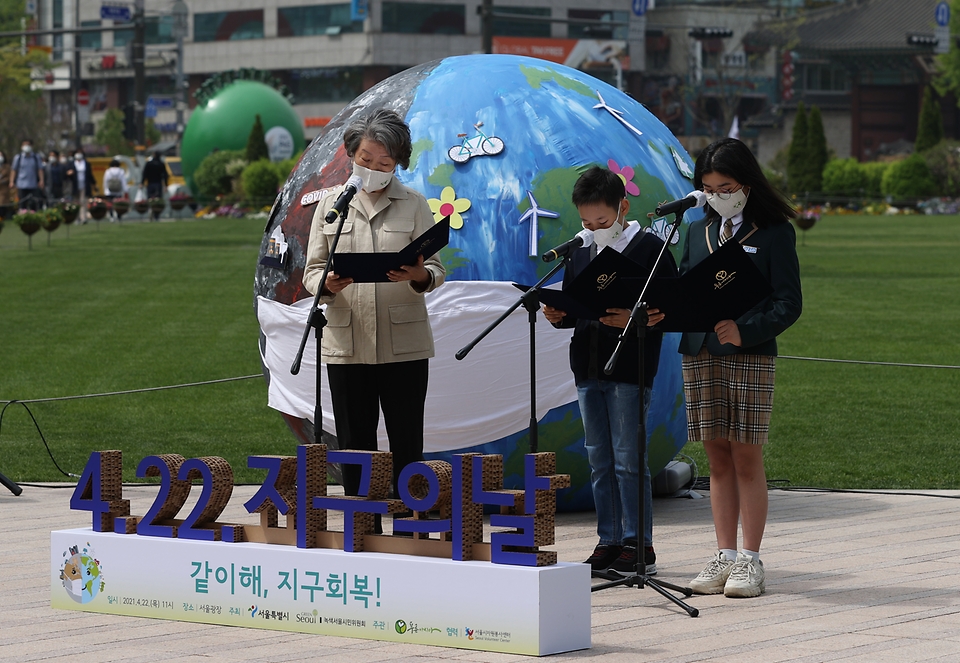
[349, 191]
[582, 238]
[692, 199]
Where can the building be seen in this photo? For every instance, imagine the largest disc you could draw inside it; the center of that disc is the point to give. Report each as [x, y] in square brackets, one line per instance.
[704, 61]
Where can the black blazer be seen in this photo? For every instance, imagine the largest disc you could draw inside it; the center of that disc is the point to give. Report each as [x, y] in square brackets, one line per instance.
[774, 251]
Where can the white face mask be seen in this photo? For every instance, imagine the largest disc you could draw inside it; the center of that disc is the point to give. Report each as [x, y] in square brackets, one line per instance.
[74, 586]
[26, 149]
[605, 237]
[78, 157]
[728, 206]
[373, 180]
[1, 159]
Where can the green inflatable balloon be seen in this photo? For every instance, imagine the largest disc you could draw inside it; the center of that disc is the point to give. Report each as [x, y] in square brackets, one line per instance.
[225, 121]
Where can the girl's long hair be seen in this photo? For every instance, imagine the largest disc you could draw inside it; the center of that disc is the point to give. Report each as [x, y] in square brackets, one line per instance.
[728, 156]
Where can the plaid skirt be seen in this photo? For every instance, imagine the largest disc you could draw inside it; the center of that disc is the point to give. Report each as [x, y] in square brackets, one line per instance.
[729, 397]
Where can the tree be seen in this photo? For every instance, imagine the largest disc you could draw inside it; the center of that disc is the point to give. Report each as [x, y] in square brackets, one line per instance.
[110, 133]
[930, 125]
[256, 144]
[816, 149]
[151, 133]
[23, 114]
[948, 64]
[798, 156]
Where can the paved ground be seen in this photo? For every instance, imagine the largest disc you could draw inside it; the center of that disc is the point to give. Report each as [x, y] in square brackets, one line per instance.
[851, 578]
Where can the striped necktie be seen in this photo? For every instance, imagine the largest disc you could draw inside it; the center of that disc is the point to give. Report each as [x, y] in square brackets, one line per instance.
[727, 231]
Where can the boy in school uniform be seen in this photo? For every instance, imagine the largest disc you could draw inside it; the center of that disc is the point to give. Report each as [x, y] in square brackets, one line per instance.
[609, 403]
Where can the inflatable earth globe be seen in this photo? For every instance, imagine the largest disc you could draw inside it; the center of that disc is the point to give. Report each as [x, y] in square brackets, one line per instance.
[498, 142]
[225, 115]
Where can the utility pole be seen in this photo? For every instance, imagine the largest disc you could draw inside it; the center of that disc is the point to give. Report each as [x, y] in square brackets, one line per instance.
[180, 22]
[139, 71]
[486, 25]
[75, 88]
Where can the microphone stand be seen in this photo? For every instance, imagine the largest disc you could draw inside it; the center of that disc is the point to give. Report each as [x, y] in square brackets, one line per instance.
[11, 486]
[316, 320]
[530, 300]
[638, 318]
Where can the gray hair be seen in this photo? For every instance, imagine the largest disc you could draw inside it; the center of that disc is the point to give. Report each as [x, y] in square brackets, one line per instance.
[385, 127]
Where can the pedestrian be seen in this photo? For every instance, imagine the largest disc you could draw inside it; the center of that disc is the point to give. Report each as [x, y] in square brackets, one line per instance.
[6, 200]
[115, 183]
[82, 182]
[155, 176]
[26, 175]
[54, 176]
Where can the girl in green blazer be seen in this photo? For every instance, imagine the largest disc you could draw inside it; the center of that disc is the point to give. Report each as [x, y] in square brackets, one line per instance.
[729, 373]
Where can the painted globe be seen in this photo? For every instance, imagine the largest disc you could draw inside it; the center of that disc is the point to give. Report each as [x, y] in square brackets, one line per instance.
[498, 142]
[224, 123]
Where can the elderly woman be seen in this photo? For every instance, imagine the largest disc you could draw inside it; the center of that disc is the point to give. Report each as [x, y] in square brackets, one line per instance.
[377, 341]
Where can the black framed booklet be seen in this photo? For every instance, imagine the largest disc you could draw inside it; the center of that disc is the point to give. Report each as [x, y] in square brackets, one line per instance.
[723, 286]
[373, 267]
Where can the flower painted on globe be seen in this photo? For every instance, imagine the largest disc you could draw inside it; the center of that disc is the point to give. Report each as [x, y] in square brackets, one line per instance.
[449, 205]
[626, 174]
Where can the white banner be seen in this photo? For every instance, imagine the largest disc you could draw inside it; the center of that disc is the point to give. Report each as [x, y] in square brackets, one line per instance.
[396, 598]
[482, 398]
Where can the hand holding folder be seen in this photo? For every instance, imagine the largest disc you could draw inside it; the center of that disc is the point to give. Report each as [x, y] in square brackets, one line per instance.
[722, 287]
[373, 267]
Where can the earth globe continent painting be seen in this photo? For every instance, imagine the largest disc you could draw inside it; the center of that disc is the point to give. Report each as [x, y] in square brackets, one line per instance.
[498, 142]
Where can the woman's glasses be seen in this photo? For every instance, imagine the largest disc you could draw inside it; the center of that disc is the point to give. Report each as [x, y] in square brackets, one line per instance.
[724, 193]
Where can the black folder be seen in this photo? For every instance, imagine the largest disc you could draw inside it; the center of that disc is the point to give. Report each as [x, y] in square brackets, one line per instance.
[558, 299]
[611, 280]
[723, 286]
[373, 267]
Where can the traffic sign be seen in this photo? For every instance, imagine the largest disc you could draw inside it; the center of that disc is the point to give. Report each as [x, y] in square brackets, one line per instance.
[119, 13]
[639, 7]
[942, 14]
[161, 102]
[83, 97]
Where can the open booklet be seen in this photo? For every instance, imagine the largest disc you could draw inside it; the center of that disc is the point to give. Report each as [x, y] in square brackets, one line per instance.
[724, 286]
[373, 267]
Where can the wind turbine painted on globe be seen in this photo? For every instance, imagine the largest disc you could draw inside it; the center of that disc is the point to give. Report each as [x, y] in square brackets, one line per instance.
[533, 215]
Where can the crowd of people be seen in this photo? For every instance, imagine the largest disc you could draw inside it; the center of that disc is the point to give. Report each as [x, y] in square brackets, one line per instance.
[30, 181]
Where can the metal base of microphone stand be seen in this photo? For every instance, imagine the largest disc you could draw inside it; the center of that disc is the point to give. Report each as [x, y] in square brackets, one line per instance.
[641, 579]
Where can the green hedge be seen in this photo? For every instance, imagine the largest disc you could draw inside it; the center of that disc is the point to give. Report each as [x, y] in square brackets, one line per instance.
[909, 178]
[844, 177]
[260, 182]
[211, 177]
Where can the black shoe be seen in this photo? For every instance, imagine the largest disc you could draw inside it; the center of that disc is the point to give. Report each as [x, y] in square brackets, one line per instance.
[626, 564]
[603, 556]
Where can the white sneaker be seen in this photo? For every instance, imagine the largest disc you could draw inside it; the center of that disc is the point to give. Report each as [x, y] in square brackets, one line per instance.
[714, 577]
[746, 578]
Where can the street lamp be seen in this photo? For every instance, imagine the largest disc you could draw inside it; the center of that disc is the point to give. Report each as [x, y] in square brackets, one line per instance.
[180, 17]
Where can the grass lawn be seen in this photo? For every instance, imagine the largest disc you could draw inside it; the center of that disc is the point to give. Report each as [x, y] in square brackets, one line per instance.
[881, 289]
[142, 305]
[126, 307]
